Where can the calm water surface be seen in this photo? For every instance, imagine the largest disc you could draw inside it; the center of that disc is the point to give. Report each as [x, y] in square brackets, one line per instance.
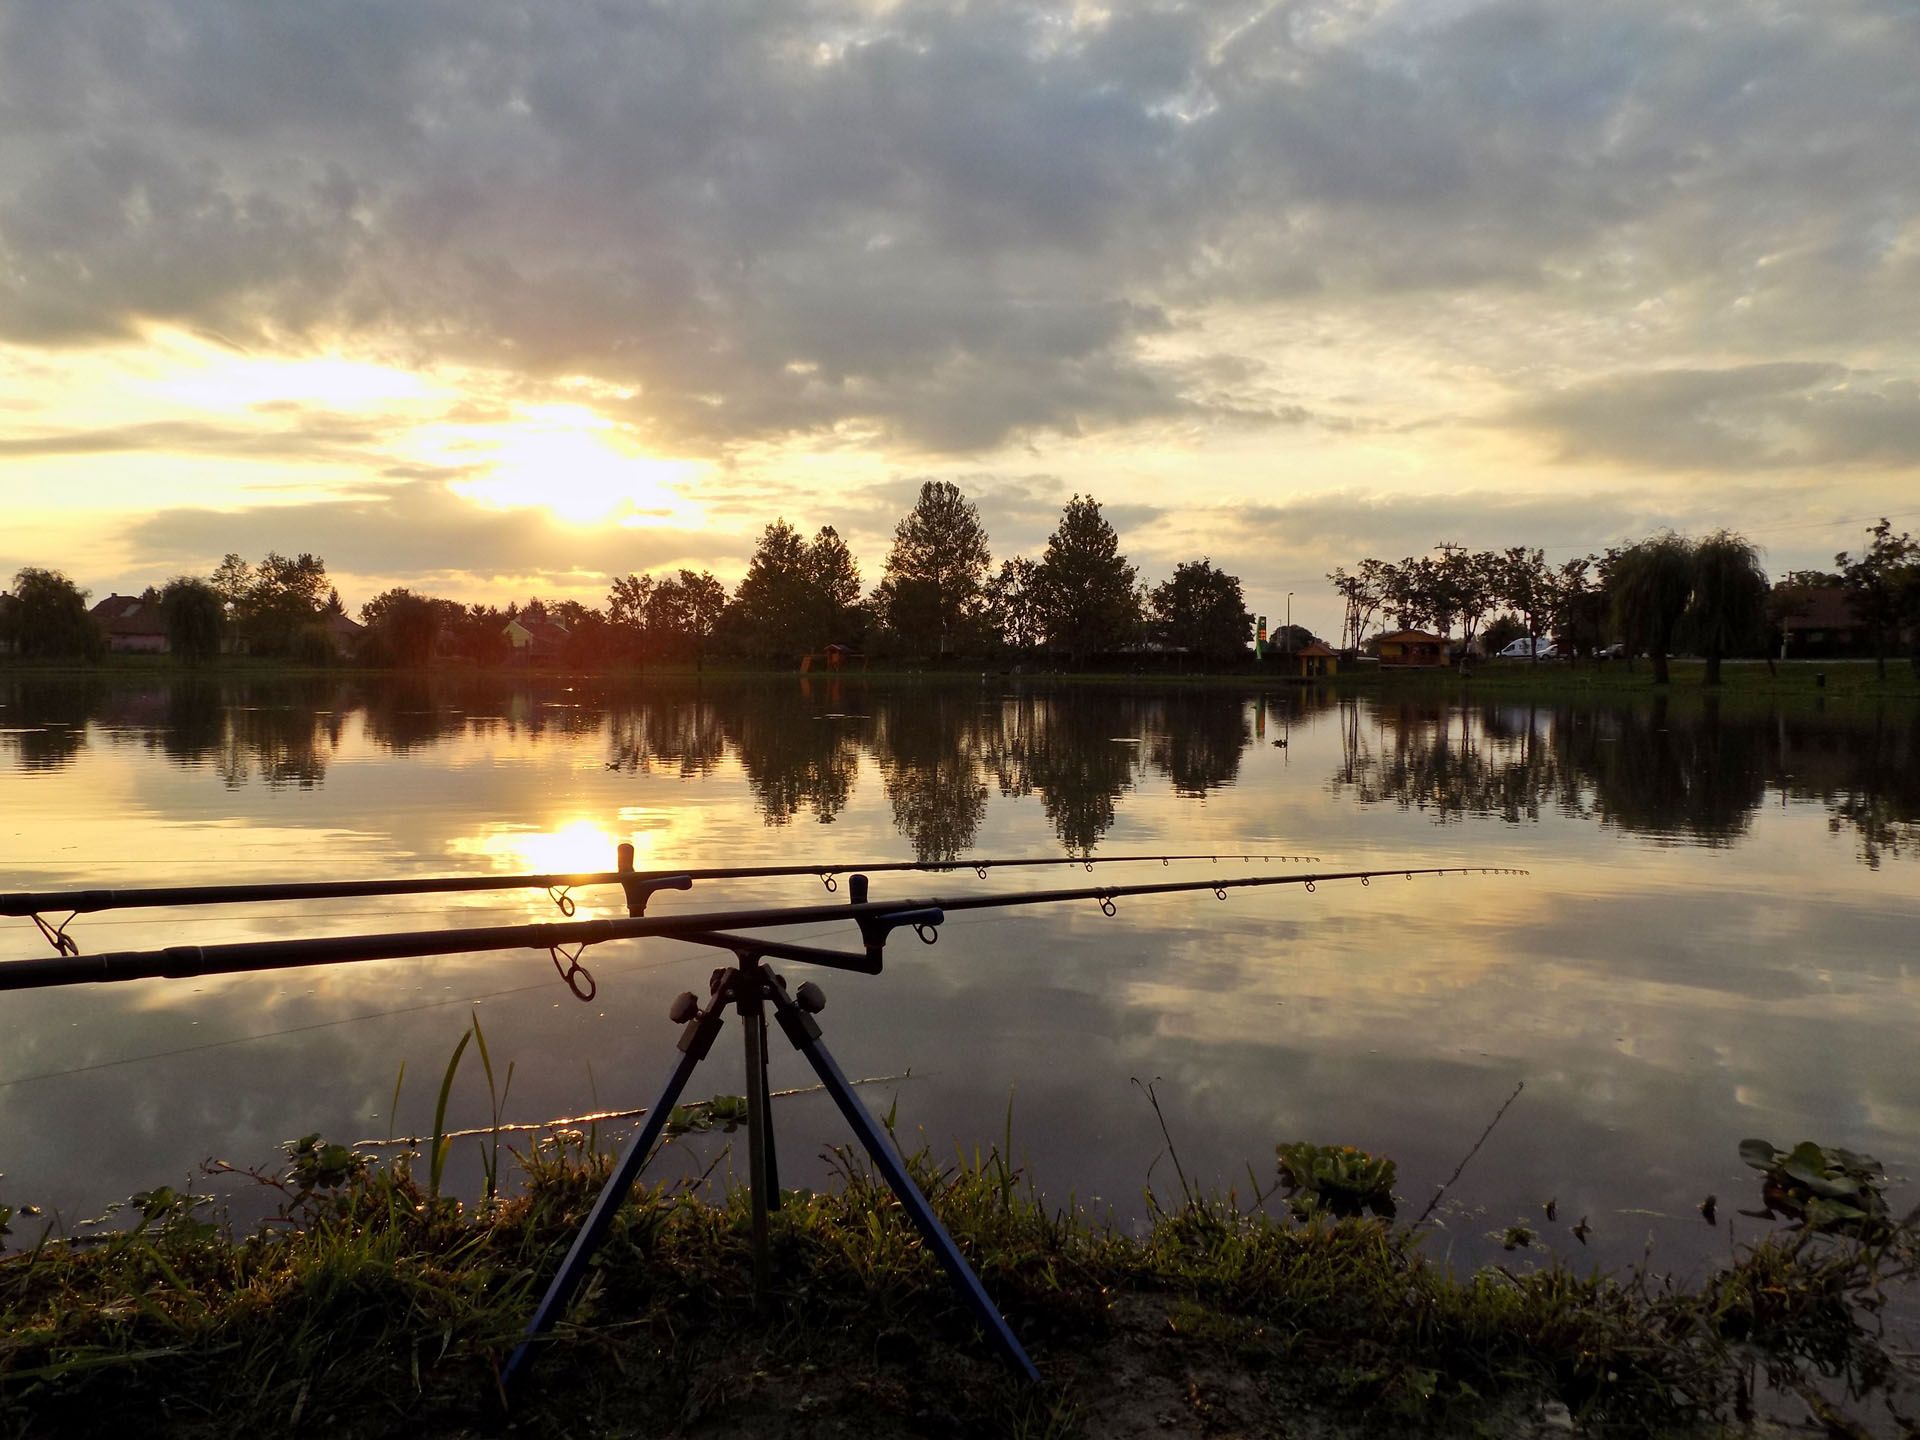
[1717, 938]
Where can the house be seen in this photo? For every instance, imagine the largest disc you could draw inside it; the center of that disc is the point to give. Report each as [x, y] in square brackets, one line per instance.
[1411, 648]
[535, 639]
[1311, 661]
[132, 626]
[834, 657]
[1822, 622]
[344, 633]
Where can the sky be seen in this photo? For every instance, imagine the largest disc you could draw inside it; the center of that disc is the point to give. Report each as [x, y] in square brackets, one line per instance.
[493, 298]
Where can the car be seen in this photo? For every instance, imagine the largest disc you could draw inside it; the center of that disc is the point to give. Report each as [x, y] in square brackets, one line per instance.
[1526, 648]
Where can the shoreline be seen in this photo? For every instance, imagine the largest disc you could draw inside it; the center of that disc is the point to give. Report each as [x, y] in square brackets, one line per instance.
[369, 1305]
[1817, 680]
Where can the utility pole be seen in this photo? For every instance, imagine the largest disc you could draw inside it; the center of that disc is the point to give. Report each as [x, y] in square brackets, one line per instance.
[1289, 622]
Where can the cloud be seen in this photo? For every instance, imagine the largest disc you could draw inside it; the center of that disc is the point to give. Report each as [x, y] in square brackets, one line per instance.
[312, 437]
[1739, 418]
[948, 227]
[425, 535]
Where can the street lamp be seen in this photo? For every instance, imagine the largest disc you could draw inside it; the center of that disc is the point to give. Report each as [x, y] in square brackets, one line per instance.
[1289, 622]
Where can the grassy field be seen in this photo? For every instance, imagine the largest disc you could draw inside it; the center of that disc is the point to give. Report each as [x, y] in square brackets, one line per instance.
[369, 1306]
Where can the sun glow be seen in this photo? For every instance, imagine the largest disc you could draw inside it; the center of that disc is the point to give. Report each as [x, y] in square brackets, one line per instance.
[577, 465]
[576, 847]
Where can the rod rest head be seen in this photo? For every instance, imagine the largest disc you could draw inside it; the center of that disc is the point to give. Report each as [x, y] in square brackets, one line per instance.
[639, 892]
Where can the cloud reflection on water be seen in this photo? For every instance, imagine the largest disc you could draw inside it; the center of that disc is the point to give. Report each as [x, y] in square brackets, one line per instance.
[1714, 941]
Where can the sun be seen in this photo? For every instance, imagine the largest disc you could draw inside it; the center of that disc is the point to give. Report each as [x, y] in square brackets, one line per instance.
[573, 847]
[576, 464]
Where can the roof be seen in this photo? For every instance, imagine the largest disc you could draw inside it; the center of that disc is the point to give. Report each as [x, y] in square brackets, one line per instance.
[1824, 608]
[1410, 637]
[340, 623]
[551, 632]
[129, 615]
[1312, 647]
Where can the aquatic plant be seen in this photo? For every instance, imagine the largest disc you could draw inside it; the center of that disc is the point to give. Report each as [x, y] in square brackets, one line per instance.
[1831, 1191]
[1335, 1179]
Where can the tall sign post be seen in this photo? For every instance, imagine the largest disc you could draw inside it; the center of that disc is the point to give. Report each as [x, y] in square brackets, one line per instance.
[1260, 640]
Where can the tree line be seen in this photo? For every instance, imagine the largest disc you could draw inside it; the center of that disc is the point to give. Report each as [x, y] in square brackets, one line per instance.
[1652, 597]
[939, 596]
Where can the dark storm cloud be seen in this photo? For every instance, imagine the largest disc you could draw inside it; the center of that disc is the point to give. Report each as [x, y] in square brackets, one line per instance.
[954, 223]
[422, 530]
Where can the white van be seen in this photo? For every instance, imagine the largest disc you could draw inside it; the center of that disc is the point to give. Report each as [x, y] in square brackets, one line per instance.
[1539, 648]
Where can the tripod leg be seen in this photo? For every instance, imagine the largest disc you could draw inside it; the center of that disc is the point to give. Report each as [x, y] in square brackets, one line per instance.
[599, 1220]
[805, 1034]
[753, 1021]
[771, 1156]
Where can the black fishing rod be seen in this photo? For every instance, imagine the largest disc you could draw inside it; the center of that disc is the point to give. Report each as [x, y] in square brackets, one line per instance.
[638, 884]
[875, 919]
[748, 987]
[85, 902]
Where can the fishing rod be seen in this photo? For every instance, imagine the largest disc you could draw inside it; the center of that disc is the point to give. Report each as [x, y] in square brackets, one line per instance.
[746, 986]
[638, 884]
[875, 919]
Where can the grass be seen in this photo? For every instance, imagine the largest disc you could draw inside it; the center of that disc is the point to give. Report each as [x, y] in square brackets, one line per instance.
[367, 1306]
[1838, 681]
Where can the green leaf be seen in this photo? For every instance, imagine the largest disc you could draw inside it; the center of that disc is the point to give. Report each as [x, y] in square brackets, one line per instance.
[1760, 1154]
[437, 1161]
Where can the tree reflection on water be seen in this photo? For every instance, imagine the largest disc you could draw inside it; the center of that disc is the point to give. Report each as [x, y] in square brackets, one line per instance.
[1692, 771]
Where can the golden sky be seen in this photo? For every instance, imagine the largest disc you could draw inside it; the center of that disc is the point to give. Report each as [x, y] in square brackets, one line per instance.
[488, 299]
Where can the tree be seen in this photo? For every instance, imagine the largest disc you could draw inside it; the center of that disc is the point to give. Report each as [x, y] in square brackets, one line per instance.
[1202, 609]
[1580, 605]
[772, 599]
[48, 618]
[1402, 593]
[1500, 632]
[931, 592]
[283, 598]
[403, 626]
[1364, 593]
[1729, 606]
[195, 616]
[1880, 585]
[628, 601]
[684, 612]
[1526, 587]
[1087, 598]
[231, 580]
[1466, 585]
[1013, 604]
[834, 578]
[1650, 584]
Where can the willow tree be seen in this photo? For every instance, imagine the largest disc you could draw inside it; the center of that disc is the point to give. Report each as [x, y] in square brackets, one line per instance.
[196, 618]
[47, 617]
[1729, 606]
[1651, 583]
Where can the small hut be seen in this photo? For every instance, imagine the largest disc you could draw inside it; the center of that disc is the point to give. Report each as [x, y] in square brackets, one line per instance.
[1312, 661]
[1411, 649]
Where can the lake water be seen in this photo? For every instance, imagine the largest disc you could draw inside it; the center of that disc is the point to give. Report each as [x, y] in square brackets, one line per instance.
[1716, 940]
